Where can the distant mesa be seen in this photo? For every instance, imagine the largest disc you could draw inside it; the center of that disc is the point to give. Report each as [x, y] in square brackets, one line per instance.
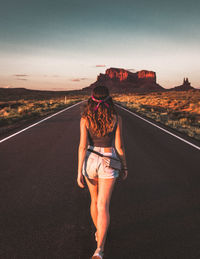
[184, 87]
[119, 80]
[7, 94]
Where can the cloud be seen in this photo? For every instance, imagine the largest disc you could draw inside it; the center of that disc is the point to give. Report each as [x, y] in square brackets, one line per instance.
[132, 70]
[23, 79]
[79, 79]
[45, 75]
[100, 66]
[7, 86]
[20, 75]
[75, 80]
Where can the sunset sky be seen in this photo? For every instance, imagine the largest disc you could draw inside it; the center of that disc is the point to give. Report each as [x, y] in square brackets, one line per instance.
[64, 45]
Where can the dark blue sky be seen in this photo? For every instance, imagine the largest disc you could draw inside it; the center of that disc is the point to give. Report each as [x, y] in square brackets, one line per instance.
[58, 44]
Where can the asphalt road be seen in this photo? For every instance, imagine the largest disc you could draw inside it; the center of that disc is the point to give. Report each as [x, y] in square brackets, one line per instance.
[155, 213]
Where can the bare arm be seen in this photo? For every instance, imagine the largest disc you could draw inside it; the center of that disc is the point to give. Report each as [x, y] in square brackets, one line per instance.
[82, 150]
[119, 142]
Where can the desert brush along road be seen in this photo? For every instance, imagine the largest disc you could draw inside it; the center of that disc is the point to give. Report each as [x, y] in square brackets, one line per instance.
[155, 212]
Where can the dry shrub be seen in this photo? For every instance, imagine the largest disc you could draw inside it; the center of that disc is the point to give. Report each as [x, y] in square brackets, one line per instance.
[179, 110]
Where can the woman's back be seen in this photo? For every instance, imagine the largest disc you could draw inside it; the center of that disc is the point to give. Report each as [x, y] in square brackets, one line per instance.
[103, 141]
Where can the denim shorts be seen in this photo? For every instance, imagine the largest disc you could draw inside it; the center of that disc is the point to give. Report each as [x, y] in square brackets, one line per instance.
[93, 166]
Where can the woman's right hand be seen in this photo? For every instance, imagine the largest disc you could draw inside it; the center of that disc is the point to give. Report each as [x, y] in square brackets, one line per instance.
[80, 180]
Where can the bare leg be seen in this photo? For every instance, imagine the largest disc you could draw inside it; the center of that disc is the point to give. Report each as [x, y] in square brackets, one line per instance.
[105, 188]
[93, 189]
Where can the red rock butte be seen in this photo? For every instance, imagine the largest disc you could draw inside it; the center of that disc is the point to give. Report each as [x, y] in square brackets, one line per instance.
[122, 74]
[146, 74]
[119, 79]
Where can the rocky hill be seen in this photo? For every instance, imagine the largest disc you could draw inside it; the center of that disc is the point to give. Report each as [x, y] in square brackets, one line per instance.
[7, 94]
[120, 80]
[184, 87]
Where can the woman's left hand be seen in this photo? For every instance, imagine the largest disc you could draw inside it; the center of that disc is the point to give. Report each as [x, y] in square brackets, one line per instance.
[80, 180]
[124, 174]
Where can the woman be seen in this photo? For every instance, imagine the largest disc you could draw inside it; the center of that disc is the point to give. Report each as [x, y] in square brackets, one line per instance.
[100, 126]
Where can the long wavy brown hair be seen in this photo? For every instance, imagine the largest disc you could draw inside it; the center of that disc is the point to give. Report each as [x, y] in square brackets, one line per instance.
[101, 121]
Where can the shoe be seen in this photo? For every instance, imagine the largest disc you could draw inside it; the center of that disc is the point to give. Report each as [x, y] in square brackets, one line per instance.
[98, 254]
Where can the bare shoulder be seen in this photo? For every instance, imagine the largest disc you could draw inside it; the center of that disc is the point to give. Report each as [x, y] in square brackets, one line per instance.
[84, 121]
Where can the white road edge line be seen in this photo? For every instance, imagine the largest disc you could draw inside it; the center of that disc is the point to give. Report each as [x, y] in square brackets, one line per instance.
[193, 145]
[32, 125]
